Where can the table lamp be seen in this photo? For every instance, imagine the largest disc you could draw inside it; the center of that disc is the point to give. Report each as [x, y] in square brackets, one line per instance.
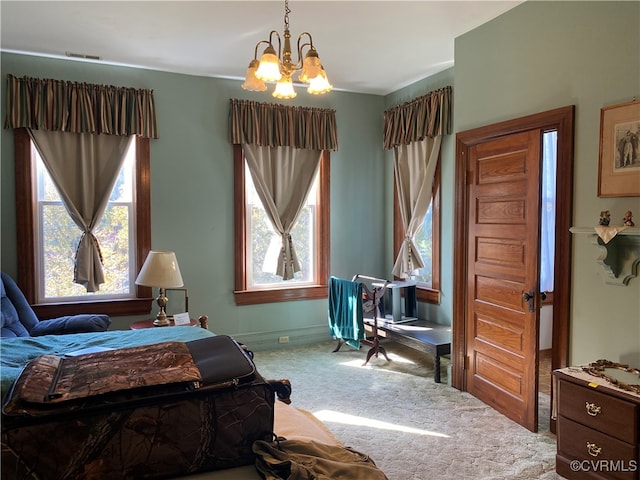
[160, 270]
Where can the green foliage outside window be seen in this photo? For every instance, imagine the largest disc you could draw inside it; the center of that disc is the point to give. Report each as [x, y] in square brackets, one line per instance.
[266, 243]
[61, 237]
[265, 240]
[423, 240]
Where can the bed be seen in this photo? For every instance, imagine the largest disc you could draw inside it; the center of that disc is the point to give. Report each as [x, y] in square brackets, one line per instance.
[16, 352]
[290, 422]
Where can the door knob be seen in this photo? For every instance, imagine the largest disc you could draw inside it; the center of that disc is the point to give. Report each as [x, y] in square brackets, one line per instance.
[530, 297]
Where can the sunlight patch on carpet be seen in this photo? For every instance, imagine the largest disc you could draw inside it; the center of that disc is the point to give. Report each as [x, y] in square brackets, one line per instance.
[398, 365]
[337, 417]
[394, 357]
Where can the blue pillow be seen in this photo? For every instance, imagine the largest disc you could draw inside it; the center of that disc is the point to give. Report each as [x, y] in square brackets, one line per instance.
[16, 308]
[10, 325]
[72, 324]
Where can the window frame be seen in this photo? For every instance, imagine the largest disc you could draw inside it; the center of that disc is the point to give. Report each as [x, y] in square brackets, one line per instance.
[319, 289]
[26, 211]
[424, 293]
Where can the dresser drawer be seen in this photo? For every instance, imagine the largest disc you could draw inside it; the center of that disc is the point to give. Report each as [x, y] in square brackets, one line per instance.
[567, 469]
[608, 414]
[598, 450]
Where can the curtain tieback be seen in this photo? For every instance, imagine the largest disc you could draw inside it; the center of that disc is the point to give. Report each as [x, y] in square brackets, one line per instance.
[95, 243]
[409, 242]
[287, 248]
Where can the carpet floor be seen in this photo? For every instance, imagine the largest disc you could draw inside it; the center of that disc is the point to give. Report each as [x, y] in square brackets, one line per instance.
[412, 427]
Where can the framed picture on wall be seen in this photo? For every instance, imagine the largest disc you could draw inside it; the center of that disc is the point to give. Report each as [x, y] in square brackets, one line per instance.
[619, 165]
[177, 301]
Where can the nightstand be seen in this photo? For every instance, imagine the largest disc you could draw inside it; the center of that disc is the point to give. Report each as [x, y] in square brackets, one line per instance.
[148, 323]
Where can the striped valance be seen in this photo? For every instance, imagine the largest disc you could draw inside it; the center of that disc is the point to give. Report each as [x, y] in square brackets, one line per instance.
[426, 116]
[47, 104]
[274, 125]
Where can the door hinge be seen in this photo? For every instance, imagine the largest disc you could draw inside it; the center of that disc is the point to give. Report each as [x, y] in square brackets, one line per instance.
[467, 361]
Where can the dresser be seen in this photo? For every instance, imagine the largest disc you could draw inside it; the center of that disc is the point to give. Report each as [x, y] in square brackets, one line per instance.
[598, 427]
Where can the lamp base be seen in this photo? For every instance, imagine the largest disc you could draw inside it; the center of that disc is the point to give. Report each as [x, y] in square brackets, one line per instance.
[161, 322]
[161, 319]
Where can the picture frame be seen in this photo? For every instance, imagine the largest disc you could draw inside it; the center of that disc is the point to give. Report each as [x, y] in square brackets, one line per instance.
[619, 159]
[177, 301]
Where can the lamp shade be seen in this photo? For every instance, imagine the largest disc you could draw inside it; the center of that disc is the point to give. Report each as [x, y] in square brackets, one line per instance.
[160, 269]
[310, 67]
[269, 69]
[320, 84]
[251, 82]
[284, 88]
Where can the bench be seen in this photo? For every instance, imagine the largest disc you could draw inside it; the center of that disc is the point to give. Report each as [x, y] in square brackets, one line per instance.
[421, 335]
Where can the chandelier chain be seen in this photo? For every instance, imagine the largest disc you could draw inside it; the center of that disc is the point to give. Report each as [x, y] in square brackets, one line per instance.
[287, 11]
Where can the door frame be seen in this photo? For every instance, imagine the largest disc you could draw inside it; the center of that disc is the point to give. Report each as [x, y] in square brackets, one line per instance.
[562, 120]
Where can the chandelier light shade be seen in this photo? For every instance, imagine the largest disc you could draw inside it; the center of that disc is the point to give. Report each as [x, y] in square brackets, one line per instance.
[251, 82]
[319, 84]
[279, 67]
[284, 88]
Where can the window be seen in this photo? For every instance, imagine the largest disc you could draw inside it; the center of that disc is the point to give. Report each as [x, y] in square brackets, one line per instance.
[58, 237]
[46, 237]
[428, 241]
[258, 245]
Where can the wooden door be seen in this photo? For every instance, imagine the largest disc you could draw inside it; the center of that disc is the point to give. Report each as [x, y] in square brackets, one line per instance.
[503, 181]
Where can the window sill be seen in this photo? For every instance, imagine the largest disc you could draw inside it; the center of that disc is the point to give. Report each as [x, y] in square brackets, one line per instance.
[428, 295]
[253, 297]
[113, 308]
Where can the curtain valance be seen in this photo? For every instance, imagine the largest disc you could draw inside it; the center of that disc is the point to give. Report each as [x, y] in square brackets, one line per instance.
[274, 125]
[57, 105]
[422, 117]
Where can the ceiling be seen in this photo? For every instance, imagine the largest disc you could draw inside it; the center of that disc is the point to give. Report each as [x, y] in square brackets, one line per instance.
[373, 47]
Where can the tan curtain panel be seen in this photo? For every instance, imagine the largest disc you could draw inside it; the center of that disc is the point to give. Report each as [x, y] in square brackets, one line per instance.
[414, 130]
[84, 169]
[414, 170]
[283, 177]
[274, 125]
[426, 116]
[57, 105]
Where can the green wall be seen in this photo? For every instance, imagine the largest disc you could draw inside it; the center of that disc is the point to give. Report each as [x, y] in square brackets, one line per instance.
[192, 192]
[544, 55]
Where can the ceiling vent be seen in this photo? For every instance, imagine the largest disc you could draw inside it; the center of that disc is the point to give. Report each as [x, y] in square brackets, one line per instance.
[83, 56]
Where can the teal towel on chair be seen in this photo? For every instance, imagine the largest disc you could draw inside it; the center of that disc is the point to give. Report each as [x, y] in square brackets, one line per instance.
[345, 311]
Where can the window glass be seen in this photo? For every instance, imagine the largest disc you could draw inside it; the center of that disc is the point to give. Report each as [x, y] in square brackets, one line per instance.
[427, 240]
[266, 243]
[58, 237]
[424, 241]
[548, 209]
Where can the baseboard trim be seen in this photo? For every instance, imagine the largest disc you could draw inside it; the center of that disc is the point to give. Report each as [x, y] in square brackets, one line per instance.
[257, 341]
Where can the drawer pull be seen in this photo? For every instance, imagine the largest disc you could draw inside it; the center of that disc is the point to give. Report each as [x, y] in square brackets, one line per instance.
[593, 409]
[593, 449]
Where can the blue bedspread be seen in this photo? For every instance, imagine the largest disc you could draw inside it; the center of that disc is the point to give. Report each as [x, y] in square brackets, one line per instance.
[15, 353]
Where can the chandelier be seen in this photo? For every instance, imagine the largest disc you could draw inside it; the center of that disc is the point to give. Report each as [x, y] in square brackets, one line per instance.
[280, 68]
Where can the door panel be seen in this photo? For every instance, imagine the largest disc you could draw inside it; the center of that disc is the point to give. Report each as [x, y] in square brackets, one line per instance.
[503, 236]
[491, 330]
